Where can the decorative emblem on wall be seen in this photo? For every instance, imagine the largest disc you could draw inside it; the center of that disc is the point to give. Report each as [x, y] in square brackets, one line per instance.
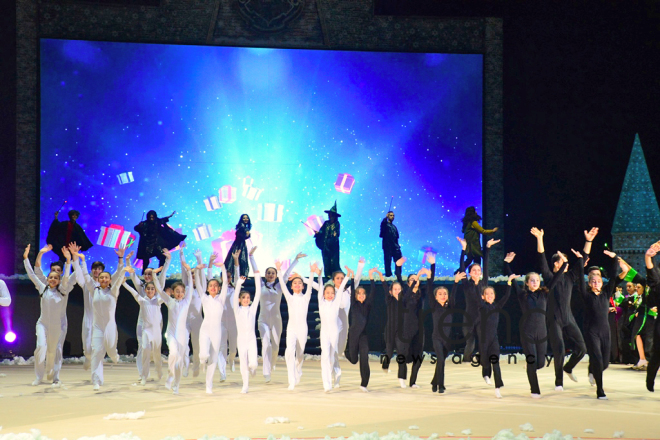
[270, 15]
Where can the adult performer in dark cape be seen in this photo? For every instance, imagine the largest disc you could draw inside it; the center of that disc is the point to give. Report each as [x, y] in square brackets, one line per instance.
[156, 236]
[61, 234]
[471, 232]
[327, 239]
[390, 235]
[243, 228]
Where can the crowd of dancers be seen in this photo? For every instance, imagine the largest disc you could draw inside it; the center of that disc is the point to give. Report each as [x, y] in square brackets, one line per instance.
[214, 313]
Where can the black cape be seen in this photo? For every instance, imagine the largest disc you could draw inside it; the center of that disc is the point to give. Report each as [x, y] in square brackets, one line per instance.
[156, 237]
[57, 237]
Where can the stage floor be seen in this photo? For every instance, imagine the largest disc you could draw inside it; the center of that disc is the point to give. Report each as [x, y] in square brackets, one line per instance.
[75, 410]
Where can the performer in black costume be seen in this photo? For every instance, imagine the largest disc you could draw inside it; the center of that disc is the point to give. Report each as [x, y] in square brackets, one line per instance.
[533, 301]
[409, 339]
[596, 328]
[155, 237]
[653, 277]
[442, 304]
[473, 287]
[327, 239]
[243, 228]
[393, 300]
[560, 320]
[358, 340]
[61, 234]
[471, 233]
[390, 235]
[489, 352]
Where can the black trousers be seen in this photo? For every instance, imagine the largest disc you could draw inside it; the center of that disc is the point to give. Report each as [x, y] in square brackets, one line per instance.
[598, 347]
[470, 334]
[488, 349]
[390, 256]
[535, 357]
[654, 362]
[158, 253]
[330, 263]
[413, 353]
[358, 346]
[616, 353]
[441, 352]
[572, 333]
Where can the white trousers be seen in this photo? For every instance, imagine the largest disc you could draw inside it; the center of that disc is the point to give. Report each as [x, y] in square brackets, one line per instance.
[296, 339]
[270, 332]
[104, 340]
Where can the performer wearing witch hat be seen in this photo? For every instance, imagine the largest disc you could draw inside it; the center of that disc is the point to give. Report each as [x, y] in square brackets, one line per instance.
[327, 239]
[156, 236]
[61, 234]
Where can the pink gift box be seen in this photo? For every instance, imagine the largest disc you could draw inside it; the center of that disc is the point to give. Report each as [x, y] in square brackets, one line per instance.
[424, 252]
[313, 224]
[344, 183]
[115, 236]
[227, 194]
[221, 247]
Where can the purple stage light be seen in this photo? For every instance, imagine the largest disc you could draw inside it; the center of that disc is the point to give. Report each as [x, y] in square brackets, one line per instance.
[10, 337]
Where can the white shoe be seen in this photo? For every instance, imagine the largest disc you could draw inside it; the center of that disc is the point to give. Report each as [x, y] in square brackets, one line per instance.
[291, 387]
[559, 388]
[571, 376]
[97, 387]
[253, 373]
[143, 381]
[415, 386]
[56, 383]
[536, 396]
[603, 398]
[36, 382]
[168, 383]
[327, 390]
[364, 389]
[175, 391]
[185, 372]
[497, 393]
[592, 381]
[402, 382]
[641, 364]
[223, 377]
[487, 379]
[209, 390]
[244, 390]
[267, 378]
[233, 366]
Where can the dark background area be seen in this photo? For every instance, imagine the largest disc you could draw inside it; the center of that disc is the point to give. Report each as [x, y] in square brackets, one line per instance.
[580, 79]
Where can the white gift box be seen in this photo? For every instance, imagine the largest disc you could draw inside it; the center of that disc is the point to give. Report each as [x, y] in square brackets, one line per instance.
[202, 232]
[212, 203]
[250, 192]
[270, 212]
[115, 236]
[125, 177]
[227, 194]
[313, 224]
[344, 183]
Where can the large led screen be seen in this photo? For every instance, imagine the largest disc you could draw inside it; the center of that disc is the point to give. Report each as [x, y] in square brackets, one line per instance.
[279, 134]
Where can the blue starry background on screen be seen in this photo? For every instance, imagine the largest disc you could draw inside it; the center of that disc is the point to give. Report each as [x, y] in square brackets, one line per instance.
[279, 134]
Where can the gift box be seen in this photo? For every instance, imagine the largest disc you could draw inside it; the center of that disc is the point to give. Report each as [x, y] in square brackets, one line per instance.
[270, 212]
[212, 203]
[202, 232]
[227, 194]
[250, 192]
[114, 236]
[221, 247]
[125, 177]
[344, 183]
[313, 224]
[137, 264]
[424, 252]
